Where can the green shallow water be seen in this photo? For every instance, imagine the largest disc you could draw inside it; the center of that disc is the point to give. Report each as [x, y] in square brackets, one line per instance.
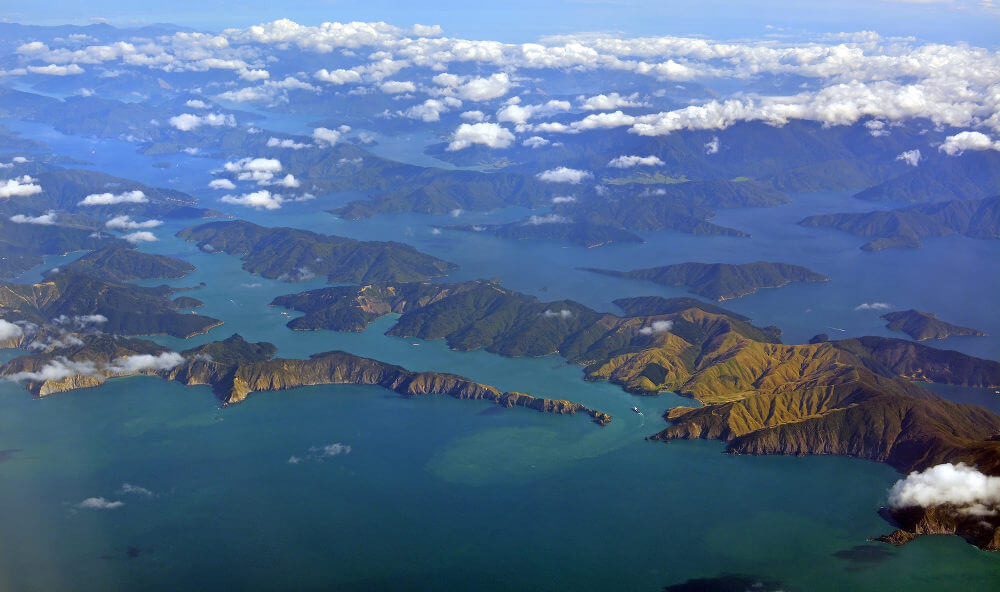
[437, 493]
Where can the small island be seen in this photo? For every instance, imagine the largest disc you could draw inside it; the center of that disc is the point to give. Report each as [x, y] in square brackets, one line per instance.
[120, 264]
[721, 281]
[924, 325]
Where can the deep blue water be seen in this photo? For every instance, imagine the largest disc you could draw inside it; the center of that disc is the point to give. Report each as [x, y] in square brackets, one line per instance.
[443, 494]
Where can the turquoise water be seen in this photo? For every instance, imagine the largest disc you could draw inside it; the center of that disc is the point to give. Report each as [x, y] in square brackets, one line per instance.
[437, 493]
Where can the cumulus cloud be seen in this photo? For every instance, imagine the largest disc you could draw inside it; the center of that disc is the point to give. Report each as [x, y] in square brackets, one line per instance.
[188, 121]
[196, 104]
[431, 109]
[491, 135]
[57, 369]
[712, 147]
[627, 162]
[959, 485]
[9, 330]
[485, 89]
[129, 489]
[962, 141]
[560, 314]
[325, 137]
[873, 306]
[140, 236]
[395, 87]
[221, 184]
[564, 175]
[546, 219]
[258, 200]
[54, 70]
[473, 116]
[286, 143]
[19, 187]
[110, 199]
[339, 76]
[127, 223]
[46, 219]
[535, 142]
[657, 327]
[99, 503]
[910, 157]
[261, 170]
[320, 453]
[561, 199]
[518, 114]
[607, 102]
[146, 363]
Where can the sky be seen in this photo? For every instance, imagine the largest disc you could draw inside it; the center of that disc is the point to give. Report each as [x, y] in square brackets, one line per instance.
[972, 21]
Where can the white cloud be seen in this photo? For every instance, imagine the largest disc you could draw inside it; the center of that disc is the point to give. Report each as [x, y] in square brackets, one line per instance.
[518, 114]
[54, 70]
[19, 187]
[564, 175]
[486, 134]
[560, 314]
[627, 162]
[109, 199]
[484, 89]
[473, 116]
[546, 219]
[564, 199]
[959, 485]
[197, 104]
[145, 363]
[260, 170]
[46, 219]
[140, 236]
[258, 200]
[127, 223]
[338, 76]
[99, 503]
[9, 330]
[188, 121]
[447, 80]
[535, 142]
[288, 181]
[128, 488]
[712, 147]
[286, 143]
[873, 306]
[57, 369]
[431, 109]
[221, 184]
[393, 87]
[657, 327]
[609, 101]
[962, 141]
[325, 137]
[910, 157]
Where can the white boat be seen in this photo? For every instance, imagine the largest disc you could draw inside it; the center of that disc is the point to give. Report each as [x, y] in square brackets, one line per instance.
[636, 410]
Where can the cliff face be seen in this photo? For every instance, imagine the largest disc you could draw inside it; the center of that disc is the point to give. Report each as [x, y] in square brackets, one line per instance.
[236, 368]
[981, 529]
[235, 383]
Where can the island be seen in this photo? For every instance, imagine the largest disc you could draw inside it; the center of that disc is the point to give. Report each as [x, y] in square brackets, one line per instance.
[115, 307]
[904, 227]
[721, 281]
[924, 325]
[236, 368]
[120, 264]
[294, 255]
